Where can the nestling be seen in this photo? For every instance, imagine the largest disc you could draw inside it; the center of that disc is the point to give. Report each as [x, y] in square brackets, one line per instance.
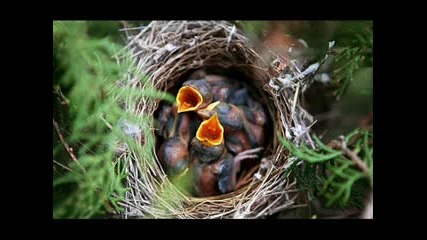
[243, 126]
[193, 95]
[174, 154]
[214, 168]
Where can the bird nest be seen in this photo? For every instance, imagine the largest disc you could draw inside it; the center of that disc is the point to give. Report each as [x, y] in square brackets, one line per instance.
[162, 54]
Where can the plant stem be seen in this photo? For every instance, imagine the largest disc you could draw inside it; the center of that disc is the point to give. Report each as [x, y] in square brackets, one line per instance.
[69, 150]
[353, 156]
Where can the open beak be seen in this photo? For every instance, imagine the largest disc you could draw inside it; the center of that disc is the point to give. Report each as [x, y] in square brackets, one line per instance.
[188, 99]
[210, 132]
[208, 111]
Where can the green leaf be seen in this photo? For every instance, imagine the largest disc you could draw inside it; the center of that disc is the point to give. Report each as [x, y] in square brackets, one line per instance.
[337, 183]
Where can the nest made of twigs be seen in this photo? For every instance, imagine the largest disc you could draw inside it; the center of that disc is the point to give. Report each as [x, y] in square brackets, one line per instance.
[163, 53]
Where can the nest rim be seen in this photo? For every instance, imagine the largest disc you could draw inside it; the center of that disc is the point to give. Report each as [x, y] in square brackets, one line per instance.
[247, 201]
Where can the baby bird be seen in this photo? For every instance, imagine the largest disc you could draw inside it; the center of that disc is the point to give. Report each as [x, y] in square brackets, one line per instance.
[214, 168]
[228, 114]
[193, 95]
[254, 119]
[208, 144]
[243, 126]
[166, 119]
[224, 88]
[255, 112]
[239, 97]
[227, 177]
[206, 147]
[220, 176]
[168, 122]
[173, 154]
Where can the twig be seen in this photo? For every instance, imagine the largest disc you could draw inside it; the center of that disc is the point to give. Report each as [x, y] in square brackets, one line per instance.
[125, 25]
[69, 150]
[294, 102]
[368, 212]
[328, 213]
[63, 166]
[341, 145]
[105, 121]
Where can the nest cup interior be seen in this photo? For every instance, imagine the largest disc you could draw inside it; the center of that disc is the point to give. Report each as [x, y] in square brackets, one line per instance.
[249, 78]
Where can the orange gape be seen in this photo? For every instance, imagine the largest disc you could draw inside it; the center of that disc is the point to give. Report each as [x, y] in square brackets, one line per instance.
[188, 99]
[210, 132]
